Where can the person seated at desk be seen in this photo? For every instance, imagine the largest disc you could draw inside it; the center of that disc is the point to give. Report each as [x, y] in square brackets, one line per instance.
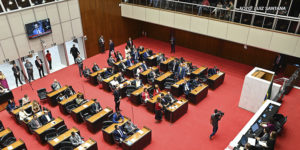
[169, 98]
[156, 90]
[95, 67]
[121, 78]
[270, 126]
[158, 110]
[60, 97]
[111, 61]
[186, 87]
[10, 106]
[195, 83]
[146, 54]
[96, 107]
[119, 134]
[173, 66]
[134, 85]
[55, 85]
[114, 83]
[181, 60]
[122, 67]
[164, 101]
[25, 100]
[23, 114]
[86, 72]
[127, 51]
[76, 139]
[116, 117]
[130, 128]
[35, 107]
[151, 76]
[47, 117]
[35, 123]
[118, 56]
[135, 56]
[213, 71]
[144, 66]
[128, 62]
[181, 72]
[161, 58]
[138, 71]
[69, 92]
[248, 146]
[145, 96]
[272, 140]
[80, 100]
[265, 136]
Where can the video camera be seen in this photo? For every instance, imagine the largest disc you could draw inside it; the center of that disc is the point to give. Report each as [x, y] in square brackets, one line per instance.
[219, 113]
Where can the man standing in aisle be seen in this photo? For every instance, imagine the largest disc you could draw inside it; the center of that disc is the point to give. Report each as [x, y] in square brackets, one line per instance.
[29, 68]
[49, 59]
[74, 51]
[79, 61]
[17, 72]
[117, 98]
[214, 121]
[101, 44]
[111, 46]
[39, 65]
[172, 42]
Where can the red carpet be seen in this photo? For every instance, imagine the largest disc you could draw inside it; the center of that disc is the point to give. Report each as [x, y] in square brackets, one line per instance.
[191, 131]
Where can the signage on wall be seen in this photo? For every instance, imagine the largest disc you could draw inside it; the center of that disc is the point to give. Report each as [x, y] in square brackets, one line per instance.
[13, 5]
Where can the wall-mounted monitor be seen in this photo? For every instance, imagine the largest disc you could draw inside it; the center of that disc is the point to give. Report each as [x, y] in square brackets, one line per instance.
[39, 28]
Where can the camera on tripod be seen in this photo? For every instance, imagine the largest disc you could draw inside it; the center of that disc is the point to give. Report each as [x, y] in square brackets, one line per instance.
[219, 113]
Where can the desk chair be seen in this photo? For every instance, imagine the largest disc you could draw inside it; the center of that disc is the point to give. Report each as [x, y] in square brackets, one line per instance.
[42, 93]
[50, 134]
[9, 141]
[20, 102]
[62, 129]
[66, 145]
[108, 122]
[86, 114]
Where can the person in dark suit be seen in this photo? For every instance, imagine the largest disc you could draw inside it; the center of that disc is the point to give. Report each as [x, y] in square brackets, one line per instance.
[120, 78]
[17, 73]
[101, 44]
[119, 134]
[117, 98]
[213, 71]
[135, 56]
[164, 101]
[278, 63]
[146, 55]
[39, 65]
[122, 67]
[111, 61]
[151, 76]
[96, 107]
[35, 123]
[111, 46]
[174, 65]
[95, 68]
[172, 42]
[47, 117]
[10, 106]
[118, 56]
[128, 62]
[144, 66]
[75, 52]
[181, 72]
[107, 73]
[169, 98]
[186, 87]
[129, 42]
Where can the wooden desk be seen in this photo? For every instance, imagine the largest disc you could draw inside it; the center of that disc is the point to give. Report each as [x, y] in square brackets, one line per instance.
[164, 65]
[53, 95]
[152, 60]
[107, 80]
[108, 132]
[16, 111]
[90, 144]
[138, 140]
[93, 76]
[135, 96]
[199, 72]
[216, 80]
[116, 65]
[145, 74]
[161, 79]
[40, 133]
[130, 70]
[123, 87]
[94, 123]
[55, 143]
[176, 110]
[75, 113]
[177, 88]
[64, 103]
[26, 124]
[6, 132]
[198, 94]
[151, 103]
[18, 145]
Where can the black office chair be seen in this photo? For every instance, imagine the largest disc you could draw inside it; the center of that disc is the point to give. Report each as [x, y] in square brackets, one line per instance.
[50, 134]
[20, 102]
[42, 93]
[85, 115]
[9, 141]
[70, 107]
[108, 122]
[62, 129]
[66, 145]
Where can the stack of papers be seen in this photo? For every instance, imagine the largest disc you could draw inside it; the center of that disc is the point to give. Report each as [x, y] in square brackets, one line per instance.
[106, 110]
[179, 102]
[56, 140]
[141, 132]
[80, 148]
[251, 141]
[87, 144]
[10, 147]
[85, 106]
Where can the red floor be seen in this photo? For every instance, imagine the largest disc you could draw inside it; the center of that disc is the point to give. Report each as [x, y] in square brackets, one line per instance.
[192, 130]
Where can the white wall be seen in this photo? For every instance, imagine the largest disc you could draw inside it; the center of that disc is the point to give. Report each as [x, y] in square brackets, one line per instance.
[262, 38]
[65, 22]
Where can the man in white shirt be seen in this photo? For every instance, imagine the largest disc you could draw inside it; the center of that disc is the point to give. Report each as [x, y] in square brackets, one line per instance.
[23, 114]
[76, 139]
[25, 100]
[114, 83]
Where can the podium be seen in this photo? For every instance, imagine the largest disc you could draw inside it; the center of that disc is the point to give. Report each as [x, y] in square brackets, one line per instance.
[255, 87]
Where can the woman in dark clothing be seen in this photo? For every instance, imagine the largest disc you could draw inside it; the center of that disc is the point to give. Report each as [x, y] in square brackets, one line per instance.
[158, 110]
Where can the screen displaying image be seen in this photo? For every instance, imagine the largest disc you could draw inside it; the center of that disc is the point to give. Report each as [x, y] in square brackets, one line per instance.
[39, 28]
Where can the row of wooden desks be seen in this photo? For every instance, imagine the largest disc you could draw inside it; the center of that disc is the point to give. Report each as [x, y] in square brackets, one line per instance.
[152, 60]
[177, 88]
[55, 143]
[52, 96]
[199, 72]
[64, 103]
[94, 123]
[176, 110]
[93, 76]
[17, 145]
[164, 65]
[160, 81]
[75, 113]
[198, 93]
[90, 144]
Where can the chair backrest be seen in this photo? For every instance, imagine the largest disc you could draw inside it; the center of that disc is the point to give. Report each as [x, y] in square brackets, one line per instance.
[66, 148]
[62, 129]
[110, 116]
[9, 141]
[20, 102]
[42, 93]
[66, 144]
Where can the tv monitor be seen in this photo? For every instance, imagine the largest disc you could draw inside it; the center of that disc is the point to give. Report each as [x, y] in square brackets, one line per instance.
[39, 28]
[254, 127]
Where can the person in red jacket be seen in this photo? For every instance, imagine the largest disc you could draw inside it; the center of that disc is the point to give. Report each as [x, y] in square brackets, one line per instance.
[49, 59]
[145, 96]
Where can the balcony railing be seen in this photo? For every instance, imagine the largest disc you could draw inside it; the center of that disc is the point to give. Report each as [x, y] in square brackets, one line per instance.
[267, 19]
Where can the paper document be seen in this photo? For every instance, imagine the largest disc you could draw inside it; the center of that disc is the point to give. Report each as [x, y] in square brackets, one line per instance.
[141, 132]
[87, 144]
[10, 147]
[264, 144]
[85, 106]
[107, 110]
[251, 141]
[56, 140]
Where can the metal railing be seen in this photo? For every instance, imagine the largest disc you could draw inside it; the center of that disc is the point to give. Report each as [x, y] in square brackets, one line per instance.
[249, 17]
